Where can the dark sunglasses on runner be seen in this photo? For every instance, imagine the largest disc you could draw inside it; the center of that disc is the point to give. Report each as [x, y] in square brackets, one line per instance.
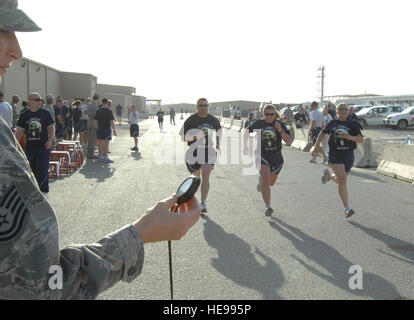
[203, 105]
[270, 114]
[37, 99]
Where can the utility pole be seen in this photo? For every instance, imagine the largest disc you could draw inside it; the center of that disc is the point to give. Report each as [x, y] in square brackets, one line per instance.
[322, 76]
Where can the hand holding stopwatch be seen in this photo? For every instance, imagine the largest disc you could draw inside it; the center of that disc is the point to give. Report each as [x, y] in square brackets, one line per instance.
[184, 192]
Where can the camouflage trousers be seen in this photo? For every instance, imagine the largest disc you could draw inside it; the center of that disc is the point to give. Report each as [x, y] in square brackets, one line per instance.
[91, 141]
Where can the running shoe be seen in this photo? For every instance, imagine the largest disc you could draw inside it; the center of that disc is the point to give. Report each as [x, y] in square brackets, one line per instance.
[349, 213]
[259, 186]
[134, 149]
[326, 176]
[107, 160]
[101, 159]
[268, 212]
[325, 158]
[203, 207]
[313, 160]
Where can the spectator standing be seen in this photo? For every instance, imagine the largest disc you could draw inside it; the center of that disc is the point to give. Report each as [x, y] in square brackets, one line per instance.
[119, 113]
[332, 111]
[60, 120]
[67, 110]
[105, 120]
[38, 125]
[6, 111]
[315, 120]
[172, 115]
[13, 103]
[134, 127]
[351, 114]
[77, 119]
[49, 106]
[289, 116]
[84, 133]
[92, 126]
[300, 118]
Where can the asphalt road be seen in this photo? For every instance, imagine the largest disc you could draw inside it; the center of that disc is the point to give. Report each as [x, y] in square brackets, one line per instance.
[234, 252]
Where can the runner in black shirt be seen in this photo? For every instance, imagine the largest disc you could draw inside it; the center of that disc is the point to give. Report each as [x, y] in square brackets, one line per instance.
[269, 159]
[201, 156]
[344, 135]
[160, 115]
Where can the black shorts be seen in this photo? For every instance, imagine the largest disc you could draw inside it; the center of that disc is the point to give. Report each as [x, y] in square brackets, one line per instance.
[59, 132]
[200, 156]
[273, 160]
[315, 133]
[134, 130]
[78, 126]
[160, 120]
[104, 133]
[342, 157]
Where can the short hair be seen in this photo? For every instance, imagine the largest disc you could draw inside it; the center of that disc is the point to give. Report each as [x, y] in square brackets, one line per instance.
[59, 100]
[314, 103]
[95, 96]
[104, 100]
[201, 99]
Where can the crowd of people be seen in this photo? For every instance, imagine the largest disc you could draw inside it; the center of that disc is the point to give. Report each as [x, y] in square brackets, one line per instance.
[93, 268]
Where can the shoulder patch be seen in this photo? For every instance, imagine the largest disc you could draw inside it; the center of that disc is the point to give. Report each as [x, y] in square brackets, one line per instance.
[12, 214]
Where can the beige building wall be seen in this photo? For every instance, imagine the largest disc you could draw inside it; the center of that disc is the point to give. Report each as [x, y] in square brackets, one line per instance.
[109, 88]
[76, 85]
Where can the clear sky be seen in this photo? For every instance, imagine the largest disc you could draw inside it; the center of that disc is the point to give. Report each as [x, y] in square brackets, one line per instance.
[180, 50]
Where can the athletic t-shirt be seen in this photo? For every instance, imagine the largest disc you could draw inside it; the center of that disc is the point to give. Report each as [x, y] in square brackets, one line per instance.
[119, 110]
[207, 125]
[132, 119]
[335, 128]
[316, 115]
[84, 110]
[160, 115]
[300, 117]
[35, 126]
[104, 117]
[77, 115]
[58, 112]
[269, 138]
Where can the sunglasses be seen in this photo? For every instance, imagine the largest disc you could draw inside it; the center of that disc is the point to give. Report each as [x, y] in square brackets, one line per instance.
[270, 114]
[37, 99]
[203, 105]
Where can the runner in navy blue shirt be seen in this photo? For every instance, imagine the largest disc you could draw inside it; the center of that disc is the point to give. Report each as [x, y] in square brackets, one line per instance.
[269, 159]
[344, 135]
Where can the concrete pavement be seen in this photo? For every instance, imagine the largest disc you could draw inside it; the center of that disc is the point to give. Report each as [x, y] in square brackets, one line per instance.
[304, 252]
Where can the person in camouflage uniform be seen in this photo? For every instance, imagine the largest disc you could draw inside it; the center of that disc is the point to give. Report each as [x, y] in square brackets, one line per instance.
[29, 233]
[289, 116]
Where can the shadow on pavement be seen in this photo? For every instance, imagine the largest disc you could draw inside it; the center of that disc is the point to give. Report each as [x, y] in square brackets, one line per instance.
[237, 261]
[335, 265]
[136, 155]
[366, 176]
[92, 169]
[403, 248]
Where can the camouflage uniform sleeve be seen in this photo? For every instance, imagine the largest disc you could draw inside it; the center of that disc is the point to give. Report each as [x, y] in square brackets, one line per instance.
[29, 241]
[91, 269]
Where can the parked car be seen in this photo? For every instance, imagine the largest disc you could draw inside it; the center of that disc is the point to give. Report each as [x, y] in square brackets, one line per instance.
[400, 120]
[359, 107]
[374, 116]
